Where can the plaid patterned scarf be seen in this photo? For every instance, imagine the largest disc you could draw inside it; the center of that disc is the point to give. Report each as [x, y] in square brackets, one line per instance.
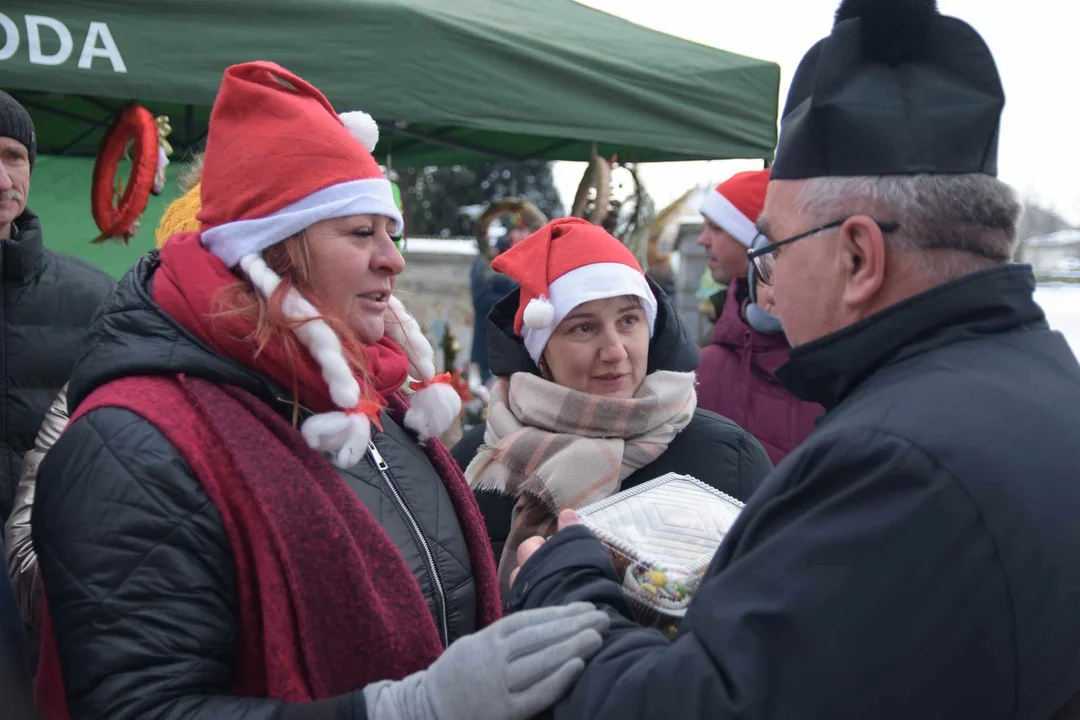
[555, 448]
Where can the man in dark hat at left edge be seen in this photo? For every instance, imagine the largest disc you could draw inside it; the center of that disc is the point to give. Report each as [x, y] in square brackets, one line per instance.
[916, 556]
[46, 301]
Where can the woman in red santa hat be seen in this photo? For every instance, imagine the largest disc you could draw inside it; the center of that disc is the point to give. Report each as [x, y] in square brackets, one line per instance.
[596, 391]
[245, 517]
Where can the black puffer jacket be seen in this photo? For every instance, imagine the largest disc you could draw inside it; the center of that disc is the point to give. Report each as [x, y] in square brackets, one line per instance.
[711, 448]
[138, 570]
[48, 300]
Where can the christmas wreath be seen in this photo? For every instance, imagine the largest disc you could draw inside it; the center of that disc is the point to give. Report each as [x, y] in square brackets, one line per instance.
[597, 179]
[531, 215]
[137, 135]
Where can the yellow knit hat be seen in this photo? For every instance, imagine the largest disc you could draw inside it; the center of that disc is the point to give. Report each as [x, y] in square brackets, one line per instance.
[179, 216]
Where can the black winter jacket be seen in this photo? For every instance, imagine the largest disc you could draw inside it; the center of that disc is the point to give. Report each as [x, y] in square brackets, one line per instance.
[15, 690]
[915, 557]
[711, 448]
[48, 300]
[138, 570]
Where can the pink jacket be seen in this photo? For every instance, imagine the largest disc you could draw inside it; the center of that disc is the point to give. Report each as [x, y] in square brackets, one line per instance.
[737, 380]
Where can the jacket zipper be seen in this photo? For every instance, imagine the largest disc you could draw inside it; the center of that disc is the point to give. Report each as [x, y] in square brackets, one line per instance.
[384, 471]
[440, 592]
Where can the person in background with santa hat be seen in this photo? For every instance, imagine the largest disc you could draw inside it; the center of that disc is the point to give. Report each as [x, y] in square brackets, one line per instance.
[737, 375]
[245, 516]
[595, 392]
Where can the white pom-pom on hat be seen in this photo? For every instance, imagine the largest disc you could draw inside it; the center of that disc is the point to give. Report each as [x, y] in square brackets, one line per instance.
[362, 127]
[539, 313]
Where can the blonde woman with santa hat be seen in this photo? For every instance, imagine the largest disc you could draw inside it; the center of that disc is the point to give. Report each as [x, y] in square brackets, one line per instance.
[246, 517]
[595, 393]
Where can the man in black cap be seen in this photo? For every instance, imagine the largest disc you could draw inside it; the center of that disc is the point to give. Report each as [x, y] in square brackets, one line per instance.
[46, 300]
[916, 556]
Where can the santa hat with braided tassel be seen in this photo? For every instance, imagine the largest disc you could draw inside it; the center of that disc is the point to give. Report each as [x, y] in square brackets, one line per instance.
[268, 123]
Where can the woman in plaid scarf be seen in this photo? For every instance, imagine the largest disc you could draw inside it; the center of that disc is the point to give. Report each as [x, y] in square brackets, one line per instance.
[595, 392]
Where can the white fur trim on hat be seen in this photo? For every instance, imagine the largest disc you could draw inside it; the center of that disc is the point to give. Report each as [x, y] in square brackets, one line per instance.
[235, 240]
[598, 281]
[344, 436]
[723, 212]
[362, 127]
[435, 406]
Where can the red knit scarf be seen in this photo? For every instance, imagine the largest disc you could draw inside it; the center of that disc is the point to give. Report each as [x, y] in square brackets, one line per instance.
[326, 603]
[188, 286]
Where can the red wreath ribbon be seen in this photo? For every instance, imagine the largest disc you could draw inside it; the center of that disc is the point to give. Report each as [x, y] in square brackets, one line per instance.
[137, 125]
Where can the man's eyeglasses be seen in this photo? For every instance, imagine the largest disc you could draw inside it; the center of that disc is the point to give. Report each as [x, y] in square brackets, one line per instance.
[764, 257]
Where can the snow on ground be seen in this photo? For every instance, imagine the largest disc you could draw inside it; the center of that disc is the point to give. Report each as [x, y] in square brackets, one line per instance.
[1061, 302]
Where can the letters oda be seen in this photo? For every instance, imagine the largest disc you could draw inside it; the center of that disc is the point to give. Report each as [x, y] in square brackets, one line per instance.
[98, 43]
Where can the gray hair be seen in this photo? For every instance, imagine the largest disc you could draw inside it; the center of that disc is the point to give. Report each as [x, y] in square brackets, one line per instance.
[950, 225]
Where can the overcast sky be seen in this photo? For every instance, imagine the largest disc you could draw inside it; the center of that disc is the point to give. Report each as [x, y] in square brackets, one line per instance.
[1034, 42]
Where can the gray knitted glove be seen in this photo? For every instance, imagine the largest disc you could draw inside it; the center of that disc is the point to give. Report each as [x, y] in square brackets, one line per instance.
[510, 670]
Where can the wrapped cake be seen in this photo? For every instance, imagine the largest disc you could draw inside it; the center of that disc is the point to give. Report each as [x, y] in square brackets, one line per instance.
[662, 536]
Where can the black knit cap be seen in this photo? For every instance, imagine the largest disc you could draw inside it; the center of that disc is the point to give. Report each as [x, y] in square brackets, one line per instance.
[16, 124]
[896, 89]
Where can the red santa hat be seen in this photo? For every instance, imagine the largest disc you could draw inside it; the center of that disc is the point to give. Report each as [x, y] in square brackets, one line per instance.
[278, 160]
[735, 204]
[567, 263]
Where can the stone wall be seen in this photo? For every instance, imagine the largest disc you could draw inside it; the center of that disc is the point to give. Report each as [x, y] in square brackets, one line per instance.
[435, 289]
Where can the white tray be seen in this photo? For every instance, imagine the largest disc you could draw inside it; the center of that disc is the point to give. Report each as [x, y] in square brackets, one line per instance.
[663, 535]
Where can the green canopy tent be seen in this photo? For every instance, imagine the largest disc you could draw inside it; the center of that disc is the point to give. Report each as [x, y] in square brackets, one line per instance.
[449, 82]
